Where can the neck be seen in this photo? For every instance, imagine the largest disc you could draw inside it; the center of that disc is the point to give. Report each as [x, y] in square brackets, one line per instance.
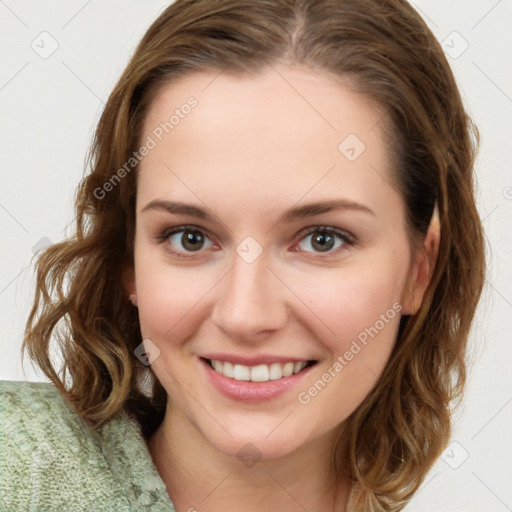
[199, 477]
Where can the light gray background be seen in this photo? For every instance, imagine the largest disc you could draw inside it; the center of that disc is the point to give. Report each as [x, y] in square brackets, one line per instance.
[50, 104]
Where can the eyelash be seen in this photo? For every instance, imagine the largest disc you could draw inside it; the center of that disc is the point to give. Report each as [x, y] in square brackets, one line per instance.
[347, 238]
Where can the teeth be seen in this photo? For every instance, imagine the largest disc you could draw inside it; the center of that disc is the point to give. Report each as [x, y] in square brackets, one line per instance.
[217, 366]
[299, 366]
[275, 371]
[260, 373]
[288, 369]
[226, 369]
[240, 372]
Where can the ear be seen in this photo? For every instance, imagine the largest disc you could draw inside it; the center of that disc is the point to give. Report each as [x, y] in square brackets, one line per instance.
[422, 268]
[129, 284]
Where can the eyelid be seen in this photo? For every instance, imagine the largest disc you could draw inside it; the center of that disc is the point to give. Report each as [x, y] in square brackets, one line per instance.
[166, 233]
[342, 233]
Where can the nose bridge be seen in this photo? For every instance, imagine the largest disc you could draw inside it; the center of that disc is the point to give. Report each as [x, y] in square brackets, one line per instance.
[249, 300]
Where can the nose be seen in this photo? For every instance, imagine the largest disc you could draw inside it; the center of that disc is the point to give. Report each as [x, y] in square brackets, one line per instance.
[250, 301]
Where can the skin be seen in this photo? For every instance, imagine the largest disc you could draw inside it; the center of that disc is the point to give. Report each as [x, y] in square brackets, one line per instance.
[253, 148]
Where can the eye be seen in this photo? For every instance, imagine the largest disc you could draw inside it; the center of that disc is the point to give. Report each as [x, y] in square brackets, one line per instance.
[186, 239]
[323, 239]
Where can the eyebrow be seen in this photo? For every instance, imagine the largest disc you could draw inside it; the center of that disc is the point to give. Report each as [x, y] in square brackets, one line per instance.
[293, 214]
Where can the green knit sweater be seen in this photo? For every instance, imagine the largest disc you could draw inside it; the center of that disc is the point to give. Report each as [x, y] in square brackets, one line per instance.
[52, 461]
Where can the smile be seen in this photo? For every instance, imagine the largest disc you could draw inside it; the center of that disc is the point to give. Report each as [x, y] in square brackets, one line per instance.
[259, 373]
[254, 379]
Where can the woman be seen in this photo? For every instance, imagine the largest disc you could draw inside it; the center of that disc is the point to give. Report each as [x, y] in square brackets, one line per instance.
[277, 261]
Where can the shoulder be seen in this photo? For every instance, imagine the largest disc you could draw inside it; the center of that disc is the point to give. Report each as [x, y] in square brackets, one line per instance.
[53, 460]
[44, 443]
[32, 412]
[35, 414]
[32, 397]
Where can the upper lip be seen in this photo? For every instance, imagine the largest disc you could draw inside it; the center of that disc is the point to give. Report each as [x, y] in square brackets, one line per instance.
[253, 360]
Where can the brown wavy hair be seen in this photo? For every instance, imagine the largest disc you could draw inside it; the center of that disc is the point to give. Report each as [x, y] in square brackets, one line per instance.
[387, 51]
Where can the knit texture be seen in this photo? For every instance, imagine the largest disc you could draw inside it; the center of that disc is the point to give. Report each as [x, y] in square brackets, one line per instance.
[51, 460]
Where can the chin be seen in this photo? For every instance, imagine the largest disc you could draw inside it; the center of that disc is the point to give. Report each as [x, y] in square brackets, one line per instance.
[252, 449]
[247, 440]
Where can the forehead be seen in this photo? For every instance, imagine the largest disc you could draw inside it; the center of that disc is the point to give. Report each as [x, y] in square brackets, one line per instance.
[264, 103]
[285, 130]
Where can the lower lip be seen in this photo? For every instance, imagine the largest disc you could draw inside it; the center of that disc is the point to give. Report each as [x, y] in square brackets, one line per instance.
[247, 391]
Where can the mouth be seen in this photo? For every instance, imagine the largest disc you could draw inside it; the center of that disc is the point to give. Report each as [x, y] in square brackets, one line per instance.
[258, 373]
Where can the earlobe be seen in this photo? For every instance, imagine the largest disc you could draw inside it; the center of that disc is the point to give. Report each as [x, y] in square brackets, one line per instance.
[129, 285]
[422, 268]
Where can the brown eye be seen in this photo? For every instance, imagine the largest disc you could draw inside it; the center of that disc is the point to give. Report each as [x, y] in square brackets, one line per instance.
[324, 240]
[188, 240]
[192, 240]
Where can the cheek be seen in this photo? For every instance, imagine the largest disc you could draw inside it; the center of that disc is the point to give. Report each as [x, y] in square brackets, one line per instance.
[350, 300]
[360, 306]
[168, 295]
[363, 321]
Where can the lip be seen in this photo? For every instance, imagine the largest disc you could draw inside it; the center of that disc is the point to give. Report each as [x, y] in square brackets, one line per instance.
[252, 392]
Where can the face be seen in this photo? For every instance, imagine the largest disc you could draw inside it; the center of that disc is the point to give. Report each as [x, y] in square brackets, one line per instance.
[272, 262]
